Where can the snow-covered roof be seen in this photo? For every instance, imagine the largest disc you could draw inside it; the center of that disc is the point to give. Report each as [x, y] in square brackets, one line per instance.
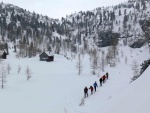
[48, 53]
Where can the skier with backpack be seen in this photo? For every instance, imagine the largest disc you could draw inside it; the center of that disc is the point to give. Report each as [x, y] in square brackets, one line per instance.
[101, 80]
[95, 85]
[107, 75]
[104, 78]
[85, 92]
[91, 88]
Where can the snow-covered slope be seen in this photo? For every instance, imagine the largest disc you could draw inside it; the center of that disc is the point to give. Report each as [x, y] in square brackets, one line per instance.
[117, 94]
[83, 28]
[134, 99]
[55, 87]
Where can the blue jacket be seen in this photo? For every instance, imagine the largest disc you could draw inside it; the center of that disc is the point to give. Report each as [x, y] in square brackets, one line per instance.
[95, 84]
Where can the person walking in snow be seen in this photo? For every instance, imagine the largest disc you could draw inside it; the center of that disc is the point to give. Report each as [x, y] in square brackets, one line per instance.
[85, 92]
[104, 78]
[107, 75]
[95, 85]
[101, 80]
[91, 88]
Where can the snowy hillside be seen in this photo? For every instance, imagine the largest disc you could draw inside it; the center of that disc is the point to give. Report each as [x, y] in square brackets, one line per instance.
[81, 30]
[134, 99]
[55, 87]
[85, 45]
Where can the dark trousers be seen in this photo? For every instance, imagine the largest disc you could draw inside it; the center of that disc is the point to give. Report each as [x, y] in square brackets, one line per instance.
[95, 88]
[91, 92]
[85, 95]
[103, 80]
[101, 83]
[107, 77]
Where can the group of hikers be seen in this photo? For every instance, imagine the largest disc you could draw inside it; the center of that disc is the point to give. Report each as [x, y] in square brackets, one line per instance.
[101, 80]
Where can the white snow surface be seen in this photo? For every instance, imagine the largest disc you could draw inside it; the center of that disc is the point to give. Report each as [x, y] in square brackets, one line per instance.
[134, 99]
[55, 87]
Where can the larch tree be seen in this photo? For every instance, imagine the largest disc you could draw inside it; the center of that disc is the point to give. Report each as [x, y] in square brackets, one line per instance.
[19, 69]
[114, 46]
[99, 66]
[122, 53]
[79, 64]
[2, 76]
[135, 68]
[110, 58]
[8, 68]
[28, 73]
[94, 62]
[126, 60]
[103, 61]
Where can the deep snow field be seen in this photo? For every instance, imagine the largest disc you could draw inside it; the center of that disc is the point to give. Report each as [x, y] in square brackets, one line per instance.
[55, 87]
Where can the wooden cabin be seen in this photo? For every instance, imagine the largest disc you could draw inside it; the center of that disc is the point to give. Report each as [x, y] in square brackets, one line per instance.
[3, 54]
[46, 57]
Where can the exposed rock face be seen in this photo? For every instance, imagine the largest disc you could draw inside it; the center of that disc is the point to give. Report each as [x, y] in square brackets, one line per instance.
[107, 39]
[138, 44]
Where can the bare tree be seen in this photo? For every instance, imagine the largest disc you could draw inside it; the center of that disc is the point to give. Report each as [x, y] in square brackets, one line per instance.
[57, 48]
[99, 66]
[118, 59]
[103, 61]
[19, 69]
[90, 54]
[8, 68]
[2, 76]
[122, 54]
[79, 64]
[28, 73]
[107, 59]
[111, 56]
[64, 46]
[135, 68]
[17, 55]
[82, 52]
[126, 60]
[94, 61]
[15, 50]
[114, 48]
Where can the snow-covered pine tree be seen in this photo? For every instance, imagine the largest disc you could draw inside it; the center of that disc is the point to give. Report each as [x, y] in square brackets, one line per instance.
[144, 66]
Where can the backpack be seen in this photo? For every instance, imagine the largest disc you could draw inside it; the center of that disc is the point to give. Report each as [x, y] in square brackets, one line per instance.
[91, 88]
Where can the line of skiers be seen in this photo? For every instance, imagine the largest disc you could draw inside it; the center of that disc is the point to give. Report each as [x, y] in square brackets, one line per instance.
[101, 80]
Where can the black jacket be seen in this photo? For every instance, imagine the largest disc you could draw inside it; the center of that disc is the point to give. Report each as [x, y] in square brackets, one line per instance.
[85, 90]
[100, 79]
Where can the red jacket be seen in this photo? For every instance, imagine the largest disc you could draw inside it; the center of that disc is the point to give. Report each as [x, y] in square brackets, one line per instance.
[104, 77]
[91, 88]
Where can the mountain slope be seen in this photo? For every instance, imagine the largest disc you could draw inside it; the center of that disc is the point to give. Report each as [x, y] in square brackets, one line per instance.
[55, 87]
[117, 94]
[134, 99]
[34, 33]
